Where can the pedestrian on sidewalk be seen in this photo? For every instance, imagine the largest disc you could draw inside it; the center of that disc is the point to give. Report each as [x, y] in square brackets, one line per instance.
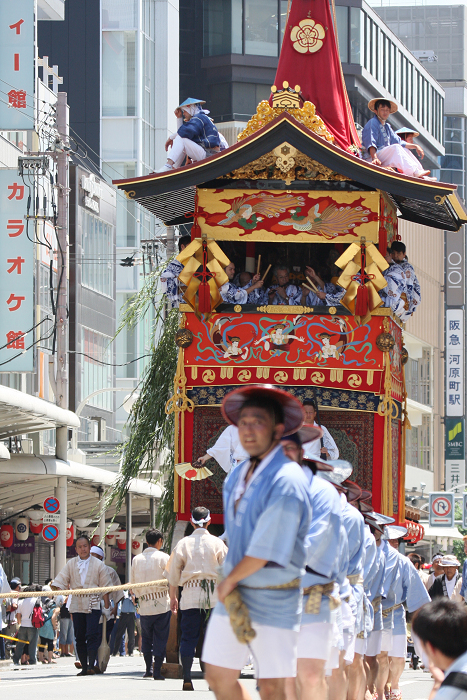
[27, 632]
[153, 602]
[126, 623]
[194, 565]
[85, 571]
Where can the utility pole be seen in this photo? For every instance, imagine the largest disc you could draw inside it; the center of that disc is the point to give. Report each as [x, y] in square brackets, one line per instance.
[62, 261]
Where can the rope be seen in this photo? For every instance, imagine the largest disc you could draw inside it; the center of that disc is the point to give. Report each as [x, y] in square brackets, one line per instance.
[21, 641]
[84, 591]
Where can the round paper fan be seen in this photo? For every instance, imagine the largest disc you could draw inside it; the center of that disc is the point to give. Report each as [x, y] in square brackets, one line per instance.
[187, 471]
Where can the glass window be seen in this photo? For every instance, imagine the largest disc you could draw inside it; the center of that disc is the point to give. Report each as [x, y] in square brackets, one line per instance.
[118, 74]
[261, 27]
[355, 34]
[119, 139]
[96, 375]
[126, 209]
[126, 345]
[119, 14]
[237, 26]
[342, 21]
[223, 21]
[97, 261]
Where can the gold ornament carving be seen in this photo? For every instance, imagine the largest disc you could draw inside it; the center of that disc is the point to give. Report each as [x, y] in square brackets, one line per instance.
[276, 164]
[209, 376]
[385, 342]
[280, 309]
[332, 310]
[354, 380]
[244, 375]
[317, 377]
[307, 36]
[404, 355]
[183, 338]
[306, 115]
[237, 308]
[281, 377]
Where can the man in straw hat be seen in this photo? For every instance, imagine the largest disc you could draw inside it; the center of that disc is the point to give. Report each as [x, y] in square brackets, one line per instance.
[407, 588]
[196, 136]
[193, 565]
[384, 147]
[267, 513]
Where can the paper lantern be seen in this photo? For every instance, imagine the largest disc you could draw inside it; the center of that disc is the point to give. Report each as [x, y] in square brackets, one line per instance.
[35, 527]
[121, 539]
[6, 535]
[70, 534]
[136, 547]
[110, 538]
[22, 529]
[95, 541]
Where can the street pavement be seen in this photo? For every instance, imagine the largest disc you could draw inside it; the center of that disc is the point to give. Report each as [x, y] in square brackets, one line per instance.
[124, 678]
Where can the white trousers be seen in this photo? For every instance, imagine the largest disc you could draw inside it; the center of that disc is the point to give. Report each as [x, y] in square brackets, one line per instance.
[185, 147]
[397, 156]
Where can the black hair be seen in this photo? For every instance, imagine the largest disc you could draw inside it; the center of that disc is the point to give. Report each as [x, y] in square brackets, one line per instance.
[443, 623]
[415, 558]
[273, 408]
[83, 537]
[199, 513]
[183, 240]
[422, 559]
[382, 103]
[398, 247]
[14, 585]
[153, 537]
[47, 581]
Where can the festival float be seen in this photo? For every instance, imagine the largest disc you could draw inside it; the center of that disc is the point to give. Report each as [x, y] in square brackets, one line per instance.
[295, 191]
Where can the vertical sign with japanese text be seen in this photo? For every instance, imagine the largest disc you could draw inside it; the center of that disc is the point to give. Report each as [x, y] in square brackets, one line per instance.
[17, 65]
[454, 362]
[455, 452]
[16, 277]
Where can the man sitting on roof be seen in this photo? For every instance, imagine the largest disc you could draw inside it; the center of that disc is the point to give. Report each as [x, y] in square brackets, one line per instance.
[196, 137]
[408, 136]
[402, 293]
[384, 147]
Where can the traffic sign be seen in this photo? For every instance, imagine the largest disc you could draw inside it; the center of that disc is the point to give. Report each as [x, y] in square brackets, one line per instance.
[50, 533]
[51, 505]
[441, 511]
[51, 519]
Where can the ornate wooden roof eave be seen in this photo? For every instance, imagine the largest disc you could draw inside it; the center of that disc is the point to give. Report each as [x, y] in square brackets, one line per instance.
[445, 210]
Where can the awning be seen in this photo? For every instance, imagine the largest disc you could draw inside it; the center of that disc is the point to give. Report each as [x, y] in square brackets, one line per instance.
[22, 413]
[26, 481]
[449, 532]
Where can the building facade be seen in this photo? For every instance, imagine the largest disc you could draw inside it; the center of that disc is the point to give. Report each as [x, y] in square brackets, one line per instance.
[121, 107]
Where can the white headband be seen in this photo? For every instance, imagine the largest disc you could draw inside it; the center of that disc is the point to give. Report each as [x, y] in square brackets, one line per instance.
[97, 550]
[203, 521]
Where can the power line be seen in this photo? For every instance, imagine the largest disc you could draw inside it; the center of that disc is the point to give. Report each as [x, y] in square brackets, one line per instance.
[110, 364]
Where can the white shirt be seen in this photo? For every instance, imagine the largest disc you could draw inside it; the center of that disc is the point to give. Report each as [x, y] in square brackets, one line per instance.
[313, 449]
[83, 566]
[450, 585]
[150, 566]
[241, 486]
[227, 450]
[25, 608]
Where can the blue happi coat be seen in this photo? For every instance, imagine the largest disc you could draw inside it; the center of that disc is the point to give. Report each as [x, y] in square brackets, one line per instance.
[322, 543]
[271, 522]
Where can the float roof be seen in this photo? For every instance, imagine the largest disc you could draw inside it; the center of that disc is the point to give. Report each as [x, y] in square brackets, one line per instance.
[171, 195]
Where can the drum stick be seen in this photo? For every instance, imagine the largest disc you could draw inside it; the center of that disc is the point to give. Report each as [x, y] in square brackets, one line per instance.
[265, 274]
[313, 285]
[259, 265]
